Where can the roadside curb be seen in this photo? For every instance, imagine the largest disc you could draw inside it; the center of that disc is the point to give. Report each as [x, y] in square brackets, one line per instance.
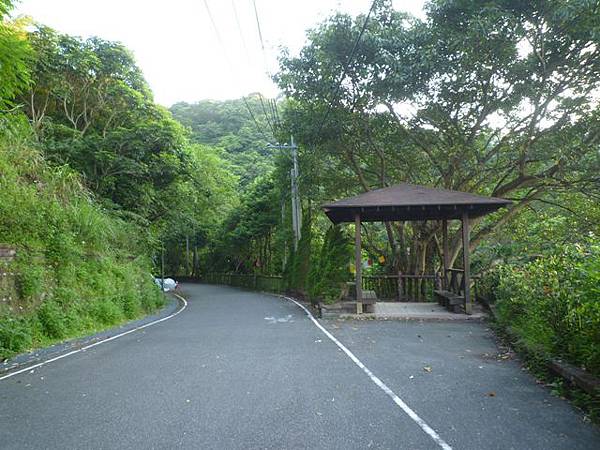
[40, 357]
[400, 318]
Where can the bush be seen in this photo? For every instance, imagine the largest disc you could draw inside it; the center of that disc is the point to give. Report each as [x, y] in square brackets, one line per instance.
[106, 312]
[14, 336]
[553, 303]
[330, 267]
[74, 265]
[52, 320]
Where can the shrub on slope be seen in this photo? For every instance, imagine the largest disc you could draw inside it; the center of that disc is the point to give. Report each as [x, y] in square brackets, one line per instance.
[77, 267]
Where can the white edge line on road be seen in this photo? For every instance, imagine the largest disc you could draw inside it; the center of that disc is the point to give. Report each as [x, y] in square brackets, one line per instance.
[413, 415]
[116, 336]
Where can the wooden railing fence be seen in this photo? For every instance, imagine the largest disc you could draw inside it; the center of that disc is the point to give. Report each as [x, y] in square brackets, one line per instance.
[403, 288]
[269, 283]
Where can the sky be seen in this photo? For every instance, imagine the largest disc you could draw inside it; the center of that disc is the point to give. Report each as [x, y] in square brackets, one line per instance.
[176, 46]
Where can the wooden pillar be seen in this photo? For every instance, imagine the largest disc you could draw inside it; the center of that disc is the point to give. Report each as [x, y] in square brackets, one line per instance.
[358, 264]
[466, 262]
[445, 254]
[400, 286]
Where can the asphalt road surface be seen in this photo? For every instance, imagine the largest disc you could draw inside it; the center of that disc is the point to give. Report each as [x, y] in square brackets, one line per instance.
[241, 370]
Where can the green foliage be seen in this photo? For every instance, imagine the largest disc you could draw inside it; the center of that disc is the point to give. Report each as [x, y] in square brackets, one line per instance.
[52, 320]
[77, 266]
[15, 53]
[94, 177]
[552, 305]
[245, 242]
[298, 267]
[330, 268]
[228, 125]
[91, 109]
[15, 336]
[495, 98]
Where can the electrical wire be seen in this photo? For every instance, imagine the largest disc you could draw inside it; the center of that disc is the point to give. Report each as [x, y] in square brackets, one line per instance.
[239, 27]
[224, 48]
[260, 37]
[346, 66]
[270, 121]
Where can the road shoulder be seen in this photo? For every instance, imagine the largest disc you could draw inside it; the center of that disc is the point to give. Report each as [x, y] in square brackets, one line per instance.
[41, 355]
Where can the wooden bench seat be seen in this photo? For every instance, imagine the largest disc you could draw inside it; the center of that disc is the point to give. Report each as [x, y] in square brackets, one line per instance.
[369, 298]
[450, 300]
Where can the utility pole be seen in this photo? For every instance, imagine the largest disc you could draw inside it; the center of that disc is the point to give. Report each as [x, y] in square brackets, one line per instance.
[295, 194]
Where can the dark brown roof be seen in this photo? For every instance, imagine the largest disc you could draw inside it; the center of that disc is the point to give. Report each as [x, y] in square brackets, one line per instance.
[411, 202]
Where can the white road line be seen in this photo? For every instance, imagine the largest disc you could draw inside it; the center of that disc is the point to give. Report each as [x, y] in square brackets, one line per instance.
[112, 338]
[413, 415]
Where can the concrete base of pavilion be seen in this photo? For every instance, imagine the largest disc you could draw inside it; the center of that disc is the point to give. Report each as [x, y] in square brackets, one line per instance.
[402, 311]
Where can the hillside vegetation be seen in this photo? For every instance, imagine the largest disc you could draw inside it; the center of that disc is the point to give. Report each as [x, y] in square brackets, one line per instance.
[96, 182]
[78, 268]
[240, 128]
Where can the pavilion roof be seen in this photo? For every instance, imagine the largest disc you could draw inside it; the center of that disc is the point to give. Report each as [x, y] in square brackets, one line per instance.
[411, 202]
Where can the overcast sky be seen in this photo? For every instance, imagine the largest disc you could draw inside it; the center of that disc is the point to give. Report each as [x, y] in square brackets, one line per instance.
[176, 46]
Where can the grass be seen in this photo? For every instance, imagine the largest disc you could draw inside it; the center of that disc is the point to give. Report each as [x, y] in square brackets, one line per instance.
[79, 268]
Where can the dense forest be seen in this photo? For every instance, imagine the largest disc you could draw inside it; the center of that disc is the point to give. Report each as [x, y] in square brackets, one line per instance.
[97, 181]
[497, 98]
[241, 128]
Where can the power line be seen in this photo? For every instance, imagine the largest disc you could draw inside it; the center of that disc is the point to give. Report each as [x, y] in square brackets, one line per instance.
[346, 66]
[231, 68]
[273, 107]
[262, 104]
[243, 39]
[264, 55]
[260, 37]
[239, 27]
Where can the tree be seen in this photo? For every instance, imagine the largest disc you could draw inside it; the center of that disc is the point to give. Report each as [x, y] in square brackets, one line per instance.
[92, 109]
[241, 127]
[495, 98]
[15, 53]
[247, 233]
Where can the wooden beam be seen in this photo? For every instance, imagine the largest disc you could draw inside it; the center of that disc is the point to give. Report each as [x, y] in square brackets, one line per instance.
[445, 254]
[466, 261]
[358, 264]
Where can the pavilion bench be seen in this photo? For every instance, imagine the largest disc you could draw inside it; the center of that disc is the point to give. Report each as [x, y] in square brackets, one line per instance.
[450, 300]
[369, 298]
[453, 296]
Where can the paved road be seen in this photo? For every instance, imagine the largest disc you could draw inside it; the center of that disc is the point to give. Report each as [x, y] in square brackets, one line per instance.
[239, 370]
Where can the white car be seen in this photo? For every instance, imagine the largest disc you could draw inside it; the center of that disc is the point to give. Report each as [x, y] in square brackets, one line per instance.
[169, 284]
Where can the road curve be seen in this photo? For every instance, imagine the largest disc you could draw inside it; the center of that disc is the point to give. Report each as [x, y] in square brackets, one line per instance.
[240, 370]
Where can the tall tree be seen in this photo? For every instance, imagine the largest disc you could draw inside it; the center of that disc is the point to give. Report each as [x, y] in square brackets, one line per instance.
[15, 53]
[92, 109]
[496, 98]
[241, 127]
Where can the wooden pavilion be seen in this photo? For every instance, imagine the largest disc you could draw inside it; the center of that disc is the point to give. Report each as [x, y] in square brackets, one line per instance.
[407, 202]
